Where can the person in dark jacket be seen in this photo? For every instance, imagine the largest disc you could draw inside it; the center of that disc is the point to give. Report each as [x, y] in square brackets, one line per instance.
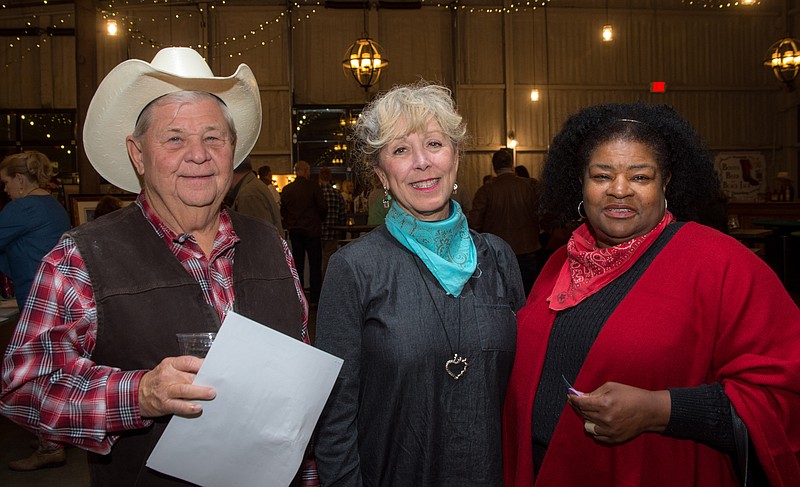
[303, 209]
[508, 208]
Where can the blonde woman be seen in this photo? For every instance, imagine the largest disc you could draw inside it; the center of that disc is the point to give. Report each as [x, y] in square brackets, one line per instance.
[31, 224]
[422, 310]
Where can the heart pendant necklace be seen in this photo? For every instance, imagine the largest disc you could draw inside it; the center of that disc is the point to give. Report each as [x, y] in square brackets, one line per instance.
[456, 366]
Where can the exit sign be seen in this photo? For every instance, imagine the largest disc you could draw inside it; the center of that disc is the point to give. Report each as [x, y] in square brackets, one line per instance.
[658, 87]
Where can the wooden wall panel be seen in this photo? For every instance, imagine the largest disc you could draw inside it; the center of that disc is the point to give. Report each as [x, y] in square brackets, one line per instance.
[154, 27]
[269, 61]
[112, 51]
[708, 50]
[20, 87]
[530, 122]
[318, 51]
[482, 48]
[276, 133]
[482, 109]
[63, 79]
[418, 45]
[534, 162]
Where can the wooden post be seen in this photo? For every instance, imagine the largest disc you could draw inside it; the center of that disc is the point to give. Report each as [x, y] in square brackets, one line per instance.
[86, 84]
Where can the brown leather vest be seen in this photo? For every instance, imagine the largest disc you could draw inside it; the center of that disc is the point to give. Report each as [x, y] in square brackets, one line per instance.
[144, 296]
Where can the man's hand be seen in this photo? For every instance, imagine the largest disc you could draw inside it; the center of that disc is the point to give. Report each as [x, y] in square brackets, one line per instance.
[168, 388]
[616, 413]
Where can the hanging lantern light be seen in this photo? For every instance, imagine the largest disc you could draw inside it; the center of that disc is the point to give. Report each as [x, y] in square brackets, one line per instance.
[607, 34]
[364, 61]
[534, 90]
[783, 58]
[111, 27]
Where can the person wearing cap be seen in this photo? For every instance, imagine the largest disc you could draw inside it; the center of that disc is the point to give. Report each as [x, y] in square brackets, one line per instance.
[94, 361]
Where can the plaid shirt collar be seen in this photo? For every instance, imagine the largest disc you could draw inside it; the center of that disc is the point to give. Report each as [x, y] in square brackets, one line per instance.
[225, 240]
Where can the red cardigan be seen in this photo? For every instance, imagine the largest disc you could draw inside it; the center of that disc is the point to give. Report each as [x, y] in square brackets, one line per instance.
[707, 309]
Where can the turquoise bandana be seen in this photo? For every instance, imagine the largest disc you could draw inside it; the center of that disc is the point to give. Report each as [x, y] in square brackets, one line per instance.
[445, 246]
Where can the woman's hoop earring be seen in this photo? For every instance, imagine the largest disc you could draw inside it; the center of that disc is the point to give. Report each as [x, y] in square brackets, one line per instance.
[455, 188]
[386, 198]
[665, 204]
[580, 211]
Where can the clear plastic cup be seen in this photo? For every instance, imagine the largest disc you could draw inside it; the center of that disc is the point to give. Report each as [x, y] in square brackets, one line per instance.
[196, 344]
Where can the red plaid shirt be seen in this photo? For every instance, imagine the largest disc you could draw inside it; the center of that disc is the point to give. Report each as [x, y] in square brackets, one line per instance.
[49, 382]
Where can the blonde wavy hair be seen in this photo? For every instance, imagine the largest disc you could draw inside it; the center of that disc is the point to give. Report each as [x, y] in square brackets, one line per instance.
[414, 104]
[34, 165]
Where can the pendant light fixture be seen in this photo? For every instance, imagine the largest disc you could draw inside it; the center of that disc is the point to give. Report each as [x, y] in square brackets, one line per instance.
[783, 57]
[608, 31]
[363, 60]
[534, 90]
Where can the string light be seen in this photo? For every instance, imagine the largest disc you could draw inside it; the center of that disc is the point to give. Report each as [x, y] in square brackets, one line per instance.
[511, 9]
[720, 4]
[235, 45]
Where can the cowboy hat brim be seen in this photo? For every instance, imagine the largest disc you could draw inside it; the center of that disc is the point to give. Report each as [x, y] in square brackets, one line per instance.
[133, 84]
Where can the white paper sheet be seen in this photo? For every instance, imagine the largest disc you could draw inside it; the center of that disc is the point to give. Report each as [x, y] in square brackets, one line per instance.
[270, 392]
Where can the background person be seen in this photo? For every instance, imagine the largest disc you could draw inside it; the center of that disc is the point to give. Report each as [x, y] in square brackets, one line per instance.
[333, 217]
[303, 208]
[378, 202]
[348, 193]
[507, 207]
[32, 222]
[106, 205]
[423, 313]
[30, 225]
[673, 331]
[265, 175]
[250, 197]
[98, 332]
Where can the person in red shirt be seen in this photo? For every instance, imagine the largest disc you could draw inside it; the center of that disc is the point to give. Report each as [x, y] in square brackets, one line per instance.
[94, 361]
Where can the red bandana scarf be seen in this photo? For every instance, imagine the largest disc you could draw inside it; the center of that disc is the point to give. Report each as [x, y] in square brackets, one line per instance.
[589, 268]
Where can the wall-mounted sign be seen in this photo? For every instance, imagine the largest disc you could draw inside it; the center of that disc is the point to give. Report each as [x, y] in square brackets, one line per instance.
[742, 175]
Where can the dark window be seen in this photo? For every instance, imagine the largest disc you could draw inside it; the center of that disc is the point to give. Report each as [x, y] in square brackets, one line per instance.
[51, 132]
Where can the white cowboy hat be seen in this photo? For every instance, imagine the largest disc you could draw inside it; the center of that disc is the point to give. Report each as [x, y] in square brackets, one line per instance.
[132, 84]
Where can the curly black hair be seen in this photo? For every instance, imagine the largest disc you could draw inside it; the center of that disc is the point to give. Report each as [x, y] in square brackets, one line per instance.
[679, 152]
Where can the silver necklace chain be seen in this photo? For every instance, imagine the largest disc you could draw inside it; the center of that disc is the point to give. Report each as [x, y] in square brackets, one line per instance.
[456, 366]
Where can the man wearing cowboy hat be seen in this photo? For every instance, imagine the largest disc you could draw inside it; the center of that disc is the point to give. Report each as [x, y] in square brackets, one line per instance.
[94, 361]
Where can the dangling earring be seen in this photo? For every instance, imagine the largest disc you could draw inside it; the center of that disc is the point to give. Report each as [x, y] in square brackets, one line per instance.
[665, 204]
[455, 188]
[580, 211]
[386, 198]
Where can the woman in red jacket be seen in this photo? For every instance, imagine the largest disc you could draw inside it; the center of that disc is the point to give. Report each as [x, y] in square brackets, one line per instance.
[683, 343]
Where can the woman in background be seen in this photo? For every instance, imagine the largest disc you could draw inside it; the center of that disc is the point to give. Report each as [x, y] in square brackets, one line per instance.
[30, 225]
[423, 312]
[32, 222]
[682, 341]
